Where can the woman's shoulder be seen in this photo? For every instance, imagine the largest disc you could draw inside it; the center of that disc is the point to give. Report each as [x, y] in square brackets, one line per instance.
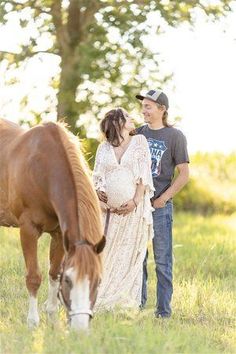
[140, 146]
[104, 145]
[140, 140]
[102, 150]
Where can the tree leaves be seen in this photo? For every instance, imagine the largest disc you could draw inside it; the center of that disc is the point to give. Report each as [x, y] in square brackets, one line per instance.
[100, 42]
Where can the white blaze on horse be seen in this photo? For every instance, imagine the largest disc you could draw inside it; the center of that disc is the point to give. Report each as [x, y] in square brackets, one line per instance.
[45, 187]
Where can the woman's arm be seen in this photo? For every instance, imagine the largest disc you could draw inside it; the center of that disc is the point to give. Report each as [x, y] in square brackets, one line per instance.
[99, 174]
[139, 192]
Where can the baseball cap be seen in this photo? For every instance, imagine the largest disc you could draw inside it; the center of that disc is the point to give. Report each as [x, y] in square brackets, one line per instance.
[156, 96]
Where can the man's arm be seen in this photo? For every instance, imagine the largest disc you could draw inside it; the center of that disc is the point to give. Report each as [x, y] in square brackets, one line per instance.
[179, 182]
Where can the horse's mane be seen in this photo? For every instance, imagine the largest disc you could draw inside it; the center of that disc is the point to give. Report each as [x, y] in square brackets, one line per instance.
[84, 261]
[8, 131]
[89, 214]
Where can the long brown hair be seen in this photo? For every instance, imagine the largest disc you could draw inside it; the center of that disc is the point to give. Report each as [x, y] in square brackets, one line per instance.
[112, 125]
[165, 117]
[165, 120]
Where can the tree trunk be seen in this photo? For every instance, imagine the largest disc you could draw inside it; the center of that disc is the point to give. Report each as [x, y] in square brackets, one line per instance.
[69, 35]
[67, 107]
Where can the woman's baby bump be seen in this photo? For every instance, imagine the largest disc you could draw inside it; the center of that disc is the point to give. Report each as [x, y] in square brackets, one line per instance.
[120, 187]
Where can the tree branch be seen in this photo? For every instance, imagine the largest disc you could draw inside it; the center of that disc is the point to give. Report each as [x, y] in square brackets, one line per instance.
[79, 20]
[90, 12]
[41, 52]
[74, 21]
[30, 4]
[28, 54]
[61, 30]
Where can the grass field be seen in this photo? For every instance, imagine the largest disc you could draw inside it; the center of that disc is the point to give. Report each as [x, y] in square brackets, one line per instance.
[204, 303]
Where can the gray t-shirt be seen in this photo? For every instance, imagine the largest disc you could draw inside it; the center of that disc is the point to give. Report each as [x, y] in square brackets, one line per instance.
[168, 147]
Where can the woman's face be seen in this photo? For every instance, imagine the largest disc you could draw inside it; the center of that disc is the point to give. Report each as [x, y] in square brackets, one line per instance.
[129, 124]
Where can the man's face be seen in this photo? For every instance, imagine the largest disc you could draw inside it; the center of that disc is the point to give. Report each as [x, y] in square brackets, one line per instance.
[151, 111]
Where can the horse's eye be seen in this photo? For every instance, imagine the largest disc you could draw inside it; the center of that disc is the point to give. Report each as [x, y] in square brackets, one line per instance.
[68, 281]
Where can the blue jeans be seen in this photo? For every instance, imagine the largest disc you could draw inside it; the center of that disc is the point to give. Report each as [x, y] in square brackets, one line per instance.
[162, 249]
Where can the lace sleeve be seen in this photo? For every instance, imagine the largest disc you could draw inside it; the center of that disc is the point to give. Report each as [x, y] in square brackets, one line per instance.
[142, 168]
[99, 169]
[142, 163]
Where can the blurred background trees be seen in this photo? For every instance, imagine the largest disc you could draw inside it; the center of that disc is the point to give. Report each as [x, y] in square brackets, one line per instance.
[212, 185]
[103, 59]
[101, 46]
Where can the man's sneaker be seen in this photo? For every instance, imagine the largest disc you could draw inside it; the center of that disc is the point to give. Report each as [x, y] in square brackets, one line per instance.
[141, 307]
[157, 315]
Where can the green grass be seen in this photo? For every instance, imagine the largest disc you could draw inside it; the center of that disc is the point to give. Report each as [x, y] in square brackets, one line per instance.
[204, 302]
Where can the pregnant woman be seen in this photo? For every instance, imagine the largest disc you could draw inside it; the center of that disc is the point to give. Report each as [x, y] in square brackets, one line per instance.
[123, 180]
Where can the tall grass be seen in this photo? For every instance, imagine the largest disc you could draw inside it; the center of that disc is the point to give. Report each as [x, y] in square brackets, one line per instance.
[204, 305]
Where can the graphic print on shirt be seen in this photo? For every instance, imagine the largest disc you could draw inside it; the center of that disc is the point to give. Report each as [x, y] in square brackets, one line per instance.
[157, 149]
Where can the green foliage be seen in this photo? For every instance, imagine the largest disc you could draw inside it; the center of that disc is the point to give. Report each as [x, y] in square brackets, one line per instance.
[204, 306]
[101, 44]
[89, 149]
[212, 186]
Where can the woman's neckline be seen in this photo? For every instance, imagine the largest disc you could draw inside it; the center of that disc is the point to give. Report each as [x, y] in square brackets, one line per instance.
[125, 150]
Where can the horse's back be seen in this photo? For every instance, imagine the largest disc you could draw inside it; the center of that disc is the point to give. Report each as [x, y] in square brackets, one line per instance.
[9, 133]
[25, 163]
[30, 161]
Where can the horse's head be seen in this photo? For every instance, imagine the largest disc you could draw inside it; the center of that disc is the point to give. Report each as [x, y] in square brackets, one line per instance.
[80, 277]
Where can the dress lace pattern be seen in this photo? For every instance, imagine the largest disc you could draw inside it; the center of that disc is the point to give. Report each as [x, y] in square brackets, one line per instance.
[127, 235]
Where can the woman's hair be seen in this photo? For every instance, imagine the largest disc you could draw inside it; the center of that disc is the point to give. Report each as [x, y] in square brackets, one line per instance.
[112, 125]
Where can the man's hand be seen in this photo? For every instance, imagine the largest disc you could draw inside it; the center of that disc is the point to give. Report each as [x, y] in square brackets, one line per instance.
[126, 208]
[102, 196]
[159, 202]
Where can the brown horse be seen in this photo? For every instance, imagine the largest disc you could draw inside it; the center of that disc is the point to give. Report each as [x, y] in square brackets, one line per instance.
[45, 187]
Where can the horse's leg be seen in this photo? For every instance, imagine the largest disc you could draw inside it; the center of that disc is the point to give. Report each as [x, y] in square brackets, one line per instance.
[56, 256]
[29, 239]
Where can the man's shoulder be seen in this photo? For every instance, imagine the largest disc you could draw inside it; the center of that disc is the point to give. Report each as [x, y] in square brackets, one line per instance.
[142, 129]
[169, 131]
[175, 129]
[175, 132]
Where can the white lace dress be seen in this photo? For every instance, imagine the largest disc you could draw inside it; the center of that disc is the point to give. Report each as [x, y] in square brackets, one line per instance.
[128, 235]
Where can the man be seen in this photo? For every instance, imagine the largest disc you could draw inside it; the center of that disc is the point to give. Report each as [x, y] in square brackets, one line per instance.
[168, 149]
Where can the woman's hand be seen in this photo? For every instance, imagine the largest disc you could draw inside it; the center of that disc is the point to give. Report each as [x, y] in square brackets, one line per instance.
[102, 196]
[104, 206]
[127, 207]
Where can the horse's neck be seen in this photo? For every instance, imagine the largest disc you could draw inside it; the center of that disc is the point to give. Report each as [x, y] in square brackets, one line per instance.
[63, 198]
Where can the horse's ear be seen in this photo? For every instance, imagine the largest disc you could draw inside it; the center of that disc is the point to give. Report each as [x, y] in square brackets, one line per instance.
[98, 248]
